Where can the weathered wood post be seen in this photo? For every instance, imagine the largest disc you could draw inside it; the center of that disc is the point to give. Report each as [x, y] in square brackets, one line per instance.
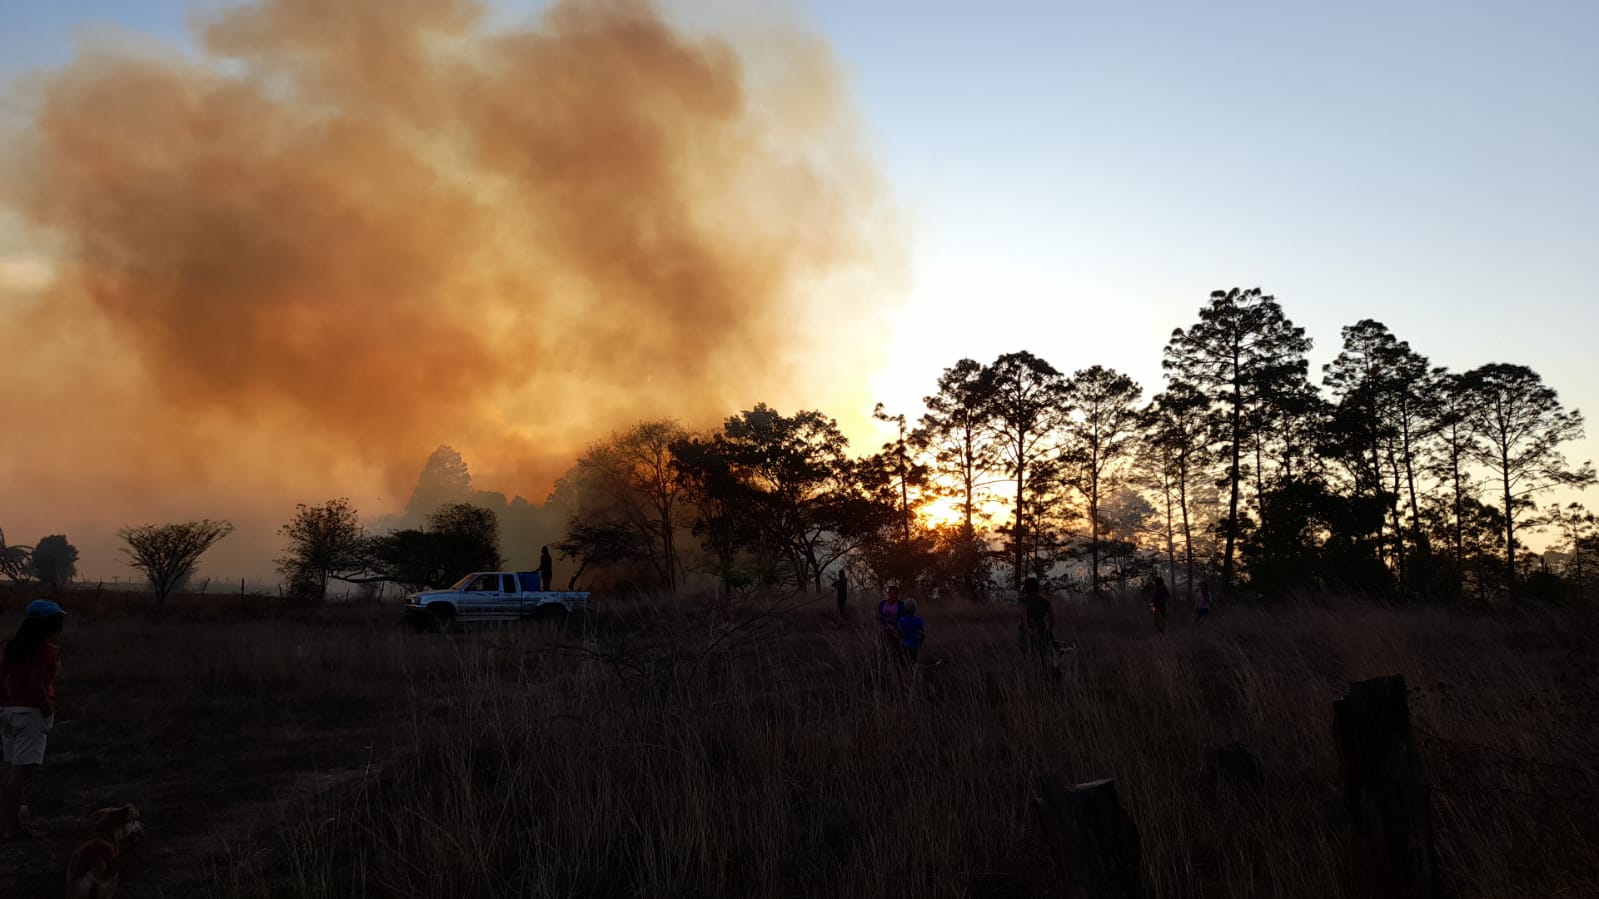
[1094, 841]
[1389, 803]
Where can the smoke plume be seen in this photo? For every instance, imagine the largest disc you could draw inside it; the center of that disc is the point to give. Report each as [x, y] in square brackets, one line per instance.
[286, 264]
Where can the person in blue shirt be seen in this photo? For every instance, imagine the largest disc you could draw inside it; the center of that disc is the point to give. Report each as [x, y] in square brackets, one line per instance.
[912, 632]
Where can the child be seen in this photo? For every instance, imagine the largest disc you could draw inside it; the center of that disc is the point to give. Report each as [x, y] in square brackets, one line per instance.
[912, 631]
[28, 670]
[888, 611]
[1202, 601]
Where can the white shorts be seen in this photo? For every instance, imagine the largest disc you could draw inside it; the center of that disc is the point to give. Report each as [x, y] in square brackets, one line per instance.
[22, 734]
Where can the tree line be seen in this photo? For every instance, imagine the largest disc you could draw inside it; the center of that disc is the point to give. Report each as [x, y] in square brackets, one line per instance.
[1392, 476]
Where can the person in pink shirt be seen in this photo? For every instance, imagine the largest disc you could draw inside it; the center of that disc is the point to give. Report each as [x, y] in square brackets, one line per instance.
[28, 669]
[889, 608]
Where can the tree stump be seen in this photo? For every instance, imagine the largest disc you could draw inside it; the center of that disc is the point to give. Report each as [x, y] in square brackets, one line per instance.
[1094, 842]
[1389, 802]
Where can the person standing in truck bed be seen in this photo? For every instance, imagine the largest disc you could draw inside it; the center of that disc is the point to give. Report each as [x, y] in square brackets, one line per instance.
[546, 568]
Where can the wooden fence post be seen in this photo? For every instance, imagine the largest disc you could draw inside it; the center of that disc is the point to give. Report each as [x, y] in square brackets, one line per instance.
[1094, 841]
[1389, 802]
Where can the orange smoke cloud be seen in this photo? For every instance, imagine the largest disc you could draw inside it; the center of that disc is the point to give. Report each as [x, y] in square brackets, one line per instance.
[287, 266]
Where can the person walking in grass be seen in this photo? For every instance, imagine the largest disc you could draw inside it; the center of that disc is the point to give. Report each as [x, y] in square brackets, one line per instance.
[28, 668]
[1202, 601]
[1157, 604]
[889, 608]
[912, 633]
[842, 586]
[1038, 622]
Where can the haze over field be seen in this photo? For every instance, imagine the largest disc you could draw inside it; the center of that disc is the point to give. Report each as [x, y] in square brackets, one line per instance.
[287, 266]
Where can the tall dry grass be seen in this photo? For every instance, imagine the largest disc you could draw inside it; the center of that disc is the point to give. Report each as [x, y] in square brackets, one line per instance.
[668, 751]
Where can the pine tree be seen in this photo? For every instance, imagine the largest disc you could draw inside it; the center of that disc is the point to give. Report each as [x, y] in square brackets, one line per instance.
[1103, 433]
[1241, 354]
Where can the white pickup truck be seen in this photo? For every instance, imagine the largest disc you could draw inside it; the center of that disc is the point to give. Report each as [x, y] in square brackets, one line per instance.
[492, 596]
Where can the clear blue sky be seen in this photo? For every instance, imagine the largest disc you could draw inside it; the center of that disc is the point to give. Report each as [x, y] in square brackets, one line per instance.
[1077, 177]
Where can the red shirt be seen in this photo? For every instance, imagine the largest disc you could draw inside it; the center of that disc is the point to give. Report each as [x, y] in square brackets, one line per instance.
[32, 684]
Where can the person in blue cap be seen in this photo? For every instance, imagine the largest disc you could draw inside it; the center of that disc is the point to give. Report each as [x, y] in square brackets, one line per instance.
[28, 668]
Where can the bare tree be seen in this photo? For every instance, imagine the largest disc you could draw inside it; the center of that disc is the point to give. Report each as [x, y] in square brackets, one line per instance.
[167, 553]
[626, 484]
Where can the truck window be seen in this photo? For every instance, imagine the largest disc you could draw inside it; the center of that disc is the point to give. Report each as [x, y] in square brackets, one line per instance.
[485, 583]
[509, 582]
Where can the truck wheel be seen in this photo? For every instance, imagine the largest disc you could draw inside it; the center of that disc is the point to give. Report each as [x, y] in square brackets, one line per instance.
[443, 616]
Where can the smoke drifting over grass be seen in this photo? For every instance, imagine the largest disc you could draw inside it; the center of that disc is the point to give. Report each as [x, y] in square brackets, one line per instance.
[290, 263]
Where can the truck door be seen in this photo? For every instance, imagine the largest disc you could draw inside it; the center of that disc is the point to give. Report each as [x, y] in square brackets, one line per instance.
[484, 595]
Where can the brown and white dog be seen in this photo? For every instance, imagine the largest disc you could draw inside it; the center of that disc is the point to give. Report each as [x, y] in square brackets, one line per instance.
[96, 865]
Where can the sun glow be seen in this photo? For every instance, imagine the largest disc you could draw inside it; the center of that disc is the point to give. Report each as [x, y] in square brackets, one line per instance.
[940, 512]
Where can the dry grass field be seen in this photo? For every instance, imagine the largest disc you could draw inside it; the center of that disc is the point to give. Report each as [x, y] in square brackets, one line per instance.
[674, 750]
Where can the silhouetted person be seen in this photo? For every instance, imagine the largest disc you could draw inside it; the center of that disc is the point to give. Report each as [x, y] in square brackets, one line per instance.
[889, 608]
[1157, 604]
[842, 586]
[912, 631]
[546, 568]
[29, 665]
[1202, 601]
[1038, 625]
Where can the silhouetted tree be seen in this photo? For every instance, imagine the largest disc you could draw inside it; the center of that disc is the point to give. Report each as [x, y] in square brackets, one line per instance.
[1242, 354]
[414, 559]
[1388, 404]
[444, 479]
[1521, 426]
[871, 510]
[722, 503]
[904, 472]
[599, 545]
[800, 480]
[15, 561]
[1578, 530]
[1176, 427]
[458, 539]
[1447, 458]
[628, 482]
[54, 562]
[1310, 535]
[472, 534]
[325, 541]
[1026, 410]
[167, 553]
[952, 432]
[1102, 435]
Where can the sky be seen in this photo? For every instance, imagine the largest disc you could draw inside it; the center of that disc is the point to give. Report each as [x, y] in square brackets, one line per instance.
[1074, 179]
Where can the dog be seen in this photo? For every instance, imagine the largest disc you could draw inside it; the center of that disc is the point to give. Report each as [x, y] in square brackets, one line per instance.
[97, 863]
